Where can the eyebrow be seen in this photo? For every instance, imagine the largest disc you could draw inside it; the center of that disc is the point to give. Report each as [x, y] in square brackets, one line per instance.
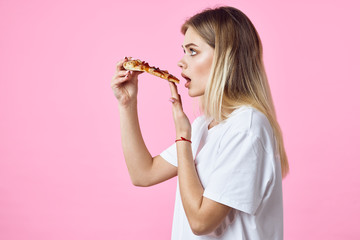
[189, 44]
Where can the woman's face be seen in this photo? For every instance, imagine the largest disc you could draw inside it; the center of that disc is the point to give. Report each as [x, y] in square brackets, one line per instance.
[196, 62]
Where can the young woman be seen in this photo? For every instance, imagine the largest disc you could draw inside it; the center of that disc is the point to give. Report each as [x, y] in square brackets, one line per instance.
[231, 160]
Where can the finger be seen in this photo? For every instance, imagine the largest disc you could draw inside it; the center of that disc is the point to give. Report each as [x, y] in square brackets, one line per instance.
[173, 90]
[120, 78]
[176, 103]
[121, 73]
[180, 99]
[136, 73]
[117, 81]
[119, 65]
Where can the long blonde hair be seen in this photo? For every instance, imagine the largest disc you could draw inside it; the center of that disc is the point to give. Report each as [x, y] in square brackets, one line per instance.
[237, 74]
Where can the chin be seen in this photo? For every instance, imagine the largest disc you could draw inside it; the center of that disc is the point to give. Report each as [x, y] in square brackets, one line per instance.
[193, 93]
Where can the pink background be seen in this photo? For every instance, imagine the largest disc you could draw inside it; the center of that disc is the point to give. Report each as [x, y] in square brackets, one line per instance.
[62, 172]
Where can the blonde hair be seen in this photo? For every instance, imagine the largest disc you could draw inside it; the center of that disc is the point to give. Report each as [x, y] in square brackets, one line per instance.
[237, 75]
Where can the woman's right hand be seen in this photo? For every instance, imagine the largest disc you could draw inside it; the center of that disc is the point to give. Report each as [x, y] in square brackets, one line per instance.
[125, 84]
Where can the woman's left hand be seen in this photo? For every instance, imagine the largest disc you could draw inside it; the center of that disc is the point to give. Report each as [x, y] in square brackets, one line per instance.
[182, 123]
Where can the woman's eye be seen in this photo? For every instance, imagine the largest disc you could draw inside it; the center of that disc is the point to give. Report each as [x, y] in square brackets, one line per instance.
[192, 52]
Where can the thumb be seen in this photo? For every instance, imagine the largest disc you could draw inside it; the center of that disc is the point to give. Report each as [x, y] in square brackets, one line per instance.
[136, 73]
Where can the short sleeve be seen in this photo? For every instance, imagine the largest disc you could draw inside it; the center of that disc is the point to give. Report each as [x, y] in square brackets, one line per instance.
[241, 174]
[170, 155]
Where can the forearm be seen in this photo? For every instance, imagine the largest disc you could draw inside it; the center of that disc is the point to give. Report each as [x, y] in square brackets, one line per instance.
[203, 214]
[191, 189]
[137, 157]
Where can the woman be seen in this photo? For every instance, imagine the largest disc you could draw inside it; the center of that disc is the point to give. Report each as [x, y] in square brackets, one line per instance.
[231, 160]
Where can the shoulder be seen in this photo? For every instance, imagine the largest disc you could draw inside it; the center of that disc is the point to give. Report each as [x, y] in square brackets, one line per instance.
[248, 119]
[198, 124]
[251, 122]
[199, 121]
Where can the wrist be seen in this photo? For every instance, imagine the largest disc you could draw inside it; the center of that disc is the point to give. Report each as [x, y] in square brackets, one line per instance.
[130, 106]
[183, 135]
[182, 139]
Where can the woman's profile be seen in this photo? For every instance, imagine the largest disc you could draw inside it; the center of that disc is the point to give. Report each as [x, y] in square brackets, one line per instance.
[230, 161]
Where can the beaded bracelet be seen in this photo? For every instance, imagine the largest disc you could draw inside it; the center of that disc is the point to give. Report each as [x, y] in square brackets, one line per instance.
[182, 139]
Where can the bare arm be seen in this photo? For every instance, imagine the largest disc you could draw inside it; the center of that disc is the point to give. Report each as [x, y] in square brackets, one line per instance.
[144, 170]
[203, 214]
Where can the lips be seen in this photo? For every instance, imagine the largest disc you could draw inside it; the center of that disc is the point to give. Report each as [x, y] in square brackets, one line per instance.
[188, 80]
[186, 77]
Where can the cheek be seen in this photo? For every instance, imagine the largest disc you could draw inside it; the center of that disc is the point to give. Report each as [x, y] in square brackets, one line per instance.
[204, 65]
[203, 69]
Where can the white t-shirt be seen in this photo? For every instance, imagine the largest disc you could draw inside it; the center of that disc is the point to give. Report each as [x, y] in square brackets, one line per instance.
[238, 166]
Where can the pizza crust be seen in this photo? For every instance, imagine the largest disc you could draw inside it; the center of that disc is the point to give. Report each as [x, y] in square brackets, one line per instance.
[138, 65]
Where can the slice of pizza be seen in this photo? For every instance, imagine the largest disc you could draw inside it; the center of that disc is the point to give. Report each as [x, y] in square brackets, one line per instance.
[138, 65]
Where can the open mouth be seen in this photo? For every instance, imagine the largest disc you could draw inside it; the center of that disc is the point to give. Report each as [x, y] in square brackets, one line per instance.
[188, 80]
[186, 77]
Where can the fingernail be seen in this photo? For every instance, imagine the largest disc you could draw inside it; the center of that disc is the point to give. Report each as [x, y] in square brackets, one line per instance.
[171, 100]
[127, 72]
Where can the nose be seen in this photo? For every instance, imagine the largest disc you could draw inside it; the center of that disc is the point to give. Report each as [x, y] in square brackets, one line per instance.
[181, 63]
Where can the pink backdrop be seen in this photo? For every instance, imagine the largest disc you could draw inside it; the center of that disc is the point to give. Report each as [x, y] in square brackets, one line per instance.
[62, 172]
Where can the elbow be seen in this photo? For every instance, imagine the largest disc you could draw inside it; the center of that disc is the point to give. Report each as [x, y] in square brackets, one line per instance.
[140, 182]
[137, 183]
[198, 232]
[199, 227]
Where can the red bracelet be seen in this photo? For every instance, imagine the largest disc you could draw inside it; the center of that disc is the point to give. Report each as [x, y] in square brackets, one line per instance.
[182, 139]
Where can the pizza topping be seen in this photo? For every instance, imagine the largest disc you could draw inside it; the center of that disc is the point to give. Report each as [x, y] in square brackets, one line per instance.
[138, 65]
